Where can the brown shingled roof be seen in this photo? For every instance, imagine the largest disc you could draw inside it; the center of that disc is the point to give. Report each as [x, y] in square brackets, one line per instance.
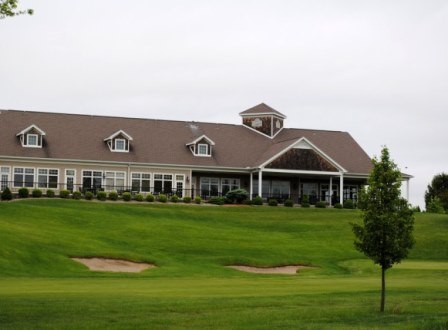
[80, 137]
[262, 108]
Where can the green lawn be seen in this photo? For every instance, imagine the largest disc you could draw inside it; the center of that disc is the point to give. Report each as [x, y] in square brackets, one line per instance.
[41, 287]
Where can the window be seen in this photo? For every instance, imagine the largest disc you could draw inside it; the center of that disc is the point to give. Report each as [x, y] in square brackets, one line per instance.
[92, 179]
[70, 176]
[229, 184]
[350, 192]
[120, 145]
[309, 189]
[203, 149]
[209, 186]
[47, 178]
[179, 185]
[163, 183]
[4, 177]
[280, 188]
[114, 181]
[32, 140]
[265, 189]
[141, 182]
[23, 177]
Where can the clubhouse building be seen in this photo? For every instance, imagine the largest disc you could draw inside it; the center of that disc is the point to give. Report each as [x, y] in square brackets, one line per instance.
[90, 153]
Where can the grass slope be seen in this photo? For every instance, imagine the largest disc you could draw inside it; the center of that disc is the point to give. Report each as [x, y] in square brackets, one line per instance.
[40, 287]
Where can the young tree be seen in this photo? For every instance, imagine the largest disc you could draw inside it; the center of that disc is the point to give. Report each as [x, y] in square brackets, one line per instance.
[9, 8]
[386, 233]
[438, 189]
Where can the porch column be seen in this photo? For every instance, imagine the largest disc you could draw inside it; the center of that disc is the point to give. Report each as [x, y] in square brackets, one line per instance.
[341, 188]
[331, 190]
[251, 188]
[407, 190]
[260, 183]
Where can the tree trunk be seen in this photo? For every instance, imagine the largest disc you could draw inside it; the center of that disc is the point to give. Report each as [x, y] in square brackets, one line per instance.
[383, 288]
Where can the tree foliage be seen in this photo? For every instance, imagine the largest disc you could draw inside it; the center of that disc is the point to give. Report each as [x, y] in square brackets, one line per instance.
[386, 233]
[438, 189]
[8, 8]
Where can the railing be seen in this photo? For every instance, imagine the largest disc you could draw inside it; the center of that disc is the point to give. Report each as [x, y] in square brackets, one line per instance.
[204, 194]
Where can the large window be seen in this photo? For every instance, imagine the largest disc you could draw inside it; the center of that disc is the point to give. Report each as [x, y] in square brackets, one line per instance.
[141, 182]
[266, 189]
[92, 179]
[350, 192]
[210, 186]
[280, 188]
[114, 181]
[229, 184]
[163, 183]
[23, 177]
[47, 178]
[4, 177]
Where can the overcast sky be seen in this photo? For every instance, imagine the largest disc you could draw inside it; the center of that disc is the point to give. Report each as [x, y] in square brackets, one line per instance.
[377, 69]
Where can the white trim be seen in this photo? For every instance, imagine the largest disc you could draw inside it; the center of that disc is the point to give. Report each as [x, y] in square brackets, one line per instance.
[256, 114]
[203, 136]
[140, 181]
[291, 146]
[126, 135]
[28, 145]
[270, 170]
[48, 177]
[23, 132]
[91, 185]
[253, 129]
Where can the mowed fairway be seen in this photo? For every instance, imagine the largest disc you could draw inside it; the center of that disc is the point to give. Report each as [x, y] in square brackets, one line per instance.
[41, 287]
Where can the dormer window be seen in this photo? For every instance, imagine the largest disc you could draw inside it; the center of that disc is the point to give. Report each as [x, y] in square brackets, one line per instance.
[120, 145]
[201, 147]
[32, 140]
[31, 137]
[119, 141]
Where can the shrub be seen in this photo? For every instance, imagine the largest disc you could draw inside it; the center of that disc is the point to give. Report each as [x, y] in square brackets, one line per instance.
[435, 206]
[174, 199]
[77, 195]
[88, 195]
[101, 195]
[305, 201]
[6, 194]
[272, 202]
[162, 198]
[217, 200]
[237, 196]
[348, 204]
[24, 192]
[150, 198]
[338, 206]
[247, 202]
[36, 193]
[288, 203]
[187, 199]
[257, 201]
[64, 194]
[416, 209]
[321, 204]
[50, 193]
[139, 198]
[113, 196]
[127, 196]
[198, 200]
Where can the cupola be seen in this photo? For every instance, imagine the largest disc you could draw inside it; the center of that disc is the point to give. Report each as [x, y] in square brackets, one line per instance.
[263, 119]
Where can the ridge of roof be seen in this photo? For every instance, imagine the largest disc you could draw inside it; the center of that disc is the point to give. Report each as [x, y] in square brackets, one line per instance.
[262, 108]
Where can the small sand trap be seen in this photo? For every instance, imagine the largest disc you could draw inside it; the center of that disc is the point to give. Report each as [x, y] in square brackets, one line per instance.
[113, 265]
[289, 270]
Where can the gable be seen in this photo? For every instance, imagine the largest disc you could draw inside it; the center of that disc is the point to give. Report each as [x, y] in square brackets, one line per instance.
[302, 159]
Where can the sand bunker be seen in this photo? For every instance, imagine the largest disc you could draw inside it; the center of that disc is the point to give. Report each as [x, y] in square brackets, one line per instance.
[113, 265]
[289, 270]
